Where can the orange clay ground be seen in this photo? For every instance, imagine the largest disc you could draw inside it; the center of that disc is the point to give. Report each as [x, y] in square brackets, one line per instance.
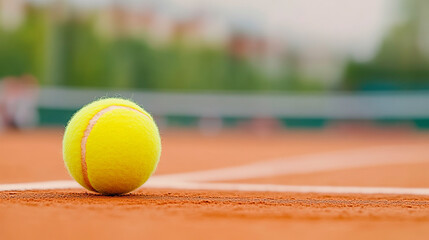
[34, 156]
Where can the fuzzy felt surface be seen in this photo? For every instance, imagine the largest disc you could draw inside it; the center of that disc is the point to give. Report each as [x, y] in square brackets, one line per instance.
[122, 149]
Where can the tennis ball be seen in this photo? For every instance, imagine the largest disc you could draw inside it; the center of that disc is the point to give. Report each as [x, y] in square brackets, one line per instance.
[111, 146]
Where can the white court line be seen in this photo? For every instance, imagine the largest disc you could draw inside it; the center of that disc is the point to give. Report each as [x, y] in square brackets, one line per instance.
[288, 188]
[347, 159]
[293, 165]
[162, 184]
[49, 185]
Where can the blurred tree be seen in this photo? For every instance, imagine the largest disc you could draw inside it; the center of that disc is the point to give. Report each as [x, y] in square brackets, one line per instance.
[401, 62]
[82, 55]
[61, 46]
[22, 50]
[130, 64]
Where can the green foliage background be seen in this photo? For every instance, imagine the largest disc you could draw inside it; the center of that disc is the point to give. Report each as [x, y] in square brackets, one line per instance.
[71, 52]
[400, 63]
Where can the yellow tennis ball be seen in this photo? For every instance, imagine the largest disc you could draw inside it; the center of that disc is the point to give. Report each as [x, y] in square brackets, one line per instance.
[111, 146]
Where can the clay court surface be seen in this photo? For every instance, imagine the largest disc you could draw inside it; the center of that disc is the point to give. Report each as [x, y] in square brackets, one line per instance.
[236, 184]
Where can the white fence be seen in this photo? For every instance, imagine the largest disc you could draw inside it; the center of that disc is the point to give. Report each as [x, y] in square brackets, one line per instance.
[379, 105]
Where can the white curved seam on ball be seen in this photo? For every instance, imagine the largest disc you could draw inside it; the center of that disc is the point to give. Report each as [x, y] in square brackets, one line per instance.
[88, 130]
